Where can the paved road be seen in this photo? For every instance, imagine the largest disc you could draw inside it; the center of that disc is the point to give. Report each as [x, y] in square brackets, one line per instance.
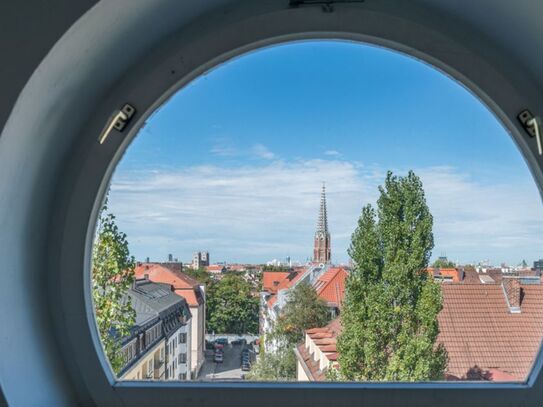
[230, 369]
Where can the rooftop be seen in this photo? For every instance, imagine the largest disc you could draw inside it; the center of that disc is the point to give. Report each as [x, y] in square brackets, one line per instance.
[151, 300]
[491, 331]
[170, 273]
[480, 331]
[331, 286]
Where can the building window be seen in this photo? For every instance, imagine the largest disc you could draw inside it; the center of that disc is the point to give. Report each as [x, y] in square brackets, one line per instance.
[182, 376]
[318, 276]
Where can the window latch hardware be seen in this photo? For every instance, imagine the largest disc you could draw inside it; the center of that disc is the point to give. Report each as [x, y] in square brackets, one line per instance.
[326, 5]
[118, 121]
[532, 125]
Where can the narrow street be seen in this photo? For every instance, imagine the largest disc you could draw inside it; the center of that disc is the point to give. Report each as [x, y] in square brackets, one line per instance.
[229, 369]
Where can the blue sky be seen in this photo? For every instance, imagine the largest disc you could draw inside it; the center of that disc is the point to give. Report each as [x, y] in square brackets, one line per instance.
[233, 163]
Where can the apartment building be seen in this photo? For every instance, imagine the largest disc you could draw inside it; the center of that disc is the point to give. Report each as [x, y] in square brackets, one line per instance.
[178, 354]
[194, 294]
[161, 318]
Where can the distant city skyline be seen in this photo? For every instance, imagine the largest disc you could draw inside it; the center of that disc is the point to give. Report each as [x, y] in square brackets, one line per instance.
[234, 162]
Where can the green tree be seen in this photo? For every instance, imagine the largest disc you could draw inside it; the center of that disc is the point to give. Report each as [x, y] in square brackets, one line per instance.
[469, 267]
[389, 314]
[270, 267]
[303, 310]
[232, 306]
[274, 366]
[443, 264]
[200, 275]
[112, 275]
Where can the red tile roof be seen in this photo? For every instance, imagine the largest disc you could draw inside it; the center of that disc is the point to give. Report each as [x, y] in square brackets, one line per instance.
[315, 330]
[480, 333]
[309, 364]
[215, 268]
[183, 285]
[455, 274]
[483, 338]
[272, 301]
[325, 338]
[272, 279]
[331, 286]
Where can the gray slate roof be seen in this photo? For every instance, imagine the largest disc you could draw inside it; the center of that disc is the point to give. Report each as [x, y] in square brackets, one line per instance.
[152, 300]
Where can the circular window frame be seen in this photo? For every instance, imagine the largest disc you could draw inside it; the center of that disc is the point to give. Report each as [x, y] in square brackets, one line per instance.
[147, 85]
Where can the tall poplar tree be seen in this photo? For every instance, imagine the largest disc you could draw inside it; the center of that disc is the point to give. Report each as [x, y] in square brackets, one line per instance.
[112, 275]
[389, 314]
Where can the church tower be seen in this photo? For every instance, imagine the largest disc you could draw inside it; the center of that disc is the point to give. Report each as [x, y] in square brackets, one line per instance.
[321, 248]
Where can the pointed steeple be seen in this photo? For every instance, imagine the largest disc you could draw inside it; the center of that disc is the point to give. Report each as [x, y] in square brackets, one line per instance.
[322, 223]
[321, 248]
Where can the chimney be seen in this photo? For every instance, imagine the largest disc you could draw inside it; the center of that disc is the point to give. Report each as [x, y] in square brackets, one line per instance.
[511, 290]
[147, 260]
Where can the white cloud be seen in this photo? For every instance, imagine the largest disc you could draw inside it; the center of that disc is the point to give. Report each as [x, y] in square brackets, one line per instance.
[256, 213]
[261, 151]
[223, 151]
[225, 148]
[332, 153]
[473, 220]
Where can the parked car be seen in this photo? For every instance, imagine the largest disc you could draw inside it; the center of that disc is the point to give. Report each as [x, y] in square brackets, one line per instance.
[221, 341]
[219, 357]
[238, 341]
[218, 346]
[245, 366]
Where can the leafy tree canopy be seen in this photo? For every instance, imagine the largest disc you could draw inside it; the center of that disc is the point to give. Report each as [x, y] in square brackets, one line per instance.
[112, 275]
[274, 366]
[389, 314]
[232, 306]
[303, 310]
[200, 275]
[275, 268]
[443, 264]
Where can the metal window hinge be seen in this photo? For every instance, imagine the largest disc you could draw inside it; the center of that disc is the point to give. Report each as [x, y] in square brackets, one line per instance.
[118, 121]
[532, 125]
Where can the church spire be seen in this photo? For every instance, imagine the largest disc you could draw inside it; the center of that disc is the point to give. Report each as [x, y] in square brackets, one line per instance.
[321, 248]
[322, 223]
